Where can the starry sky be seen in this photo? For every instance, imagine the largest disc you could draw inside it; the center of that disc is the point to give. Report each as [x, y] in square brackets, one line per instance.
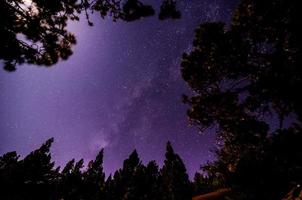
[120, 90]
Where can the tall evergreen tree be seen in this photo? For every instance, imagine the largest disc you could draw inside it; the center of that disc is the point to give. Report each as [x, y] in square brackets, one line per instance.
[175, 184]
[71, 184]
[133, 176]
[110, 188]
[22, 179]
[38, 173]
[94, 179]
[151, 182]
[127, 183]
[9, 176]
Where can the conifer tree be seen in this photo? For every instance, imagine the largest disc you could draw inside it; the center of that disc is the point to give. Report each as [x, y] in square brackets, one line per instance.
[151, 182]
[94, 179]
[37, 173]
[109, 190]
[72, 181]
[132, 177]
[175, 184]
[9, 175]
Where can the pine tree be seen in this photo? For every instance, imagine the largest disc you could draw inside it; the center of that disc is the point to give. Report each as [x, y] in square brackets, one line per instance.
[37, 173]
[175, 184]
[9, 175]
[132, 177]
[34, 177]
[94, 179]
[109, 190]
[151, 182]
[124, 183]
[71, 183]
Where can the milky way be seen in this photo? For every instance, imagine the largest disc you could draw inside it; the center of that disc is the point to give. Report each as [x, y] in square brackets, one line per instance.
[120, 90]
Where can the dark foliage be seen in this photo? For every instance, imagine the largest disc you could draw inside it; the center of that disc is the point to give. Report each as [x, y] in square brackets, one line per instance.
[174, 179]
[204, 184]
[133, 10]
[35, 31]
[168, 10]
[34, 178]
[242, 76]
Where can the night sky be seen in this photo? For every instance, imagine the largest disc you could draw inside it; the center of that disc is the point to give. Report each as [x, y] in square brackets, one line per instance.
[120, 90]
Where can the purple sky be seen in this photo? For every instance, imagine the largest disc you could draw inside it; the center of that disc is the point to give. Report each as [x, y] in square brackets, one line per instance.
[121, 89]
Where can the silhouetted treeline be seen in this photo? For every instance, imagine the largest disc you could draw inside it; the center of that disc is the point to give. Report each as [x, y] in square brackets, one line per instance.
[35, 177]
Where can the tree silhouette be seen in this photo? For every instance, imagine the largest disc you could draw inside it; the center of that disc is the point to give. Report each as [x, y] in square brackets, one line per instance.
[132, 177]
[151, 182]
[241, 75]
[94, 179]
[65, 183]
[133, 10]
[22, 179]
[175, 184]
[168, 10]
[8, 175]
[127, 182]
[35, 178]
[248, 69]
[35, 31]
[71, 183]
